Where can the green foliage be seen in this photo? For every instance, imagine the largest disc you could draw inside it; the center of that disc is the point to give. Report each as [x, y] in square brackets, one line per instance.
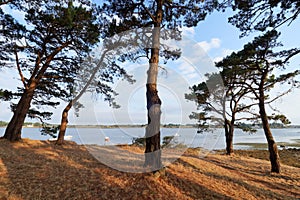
[170, 125]
[244, 74]
[37, 124]
[97, 73]
[276, 125]
[56, 37]
[10, 31]
[2, 123]
[133, 15]
[48, 129]
[141, 142]
[218, 104]
[152, 21]
[5, 95]
[205, 94]
[263, 14]
[258, 57]
[175, 14]
[281, 118]
[255, 64]
[167, 141]
[172, 142]
[248, 128]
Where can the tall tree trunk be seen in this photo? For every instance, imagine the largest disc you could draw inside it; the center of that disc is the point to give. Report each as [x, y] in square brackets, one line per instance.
[63, 123]
[14, 127]
[229, 126]
[272, 146]
[152, 150]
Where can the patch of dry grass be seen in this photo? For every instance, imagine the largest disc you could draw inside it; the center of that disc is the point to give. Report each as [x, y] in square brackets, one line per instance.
[287, 156]
[41, 170]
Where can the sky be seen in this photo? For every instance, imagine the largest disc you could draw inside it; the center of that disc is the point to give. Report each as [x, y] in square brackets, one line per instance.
[201, 46]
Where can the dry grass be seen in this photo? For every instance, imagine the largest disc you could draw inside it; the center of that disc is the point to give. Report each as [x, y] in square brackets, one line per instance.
[41, 170]
[287, 156]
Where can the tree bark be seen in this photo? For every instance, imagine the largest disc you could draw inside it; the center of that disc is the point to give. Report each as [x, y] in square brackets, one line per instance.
[14, 127]
[65, 113]
[152, 150]
[229, 137]
[63, 124]
[229, 128]
[272, 146]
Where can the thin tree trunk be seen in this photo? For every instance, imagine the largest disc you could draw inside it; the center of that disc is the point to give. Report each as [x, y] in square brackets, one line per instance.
[64, 123]
[228, 125]
[152, 150]
[14, 127]
[65, 113]
[272, 146]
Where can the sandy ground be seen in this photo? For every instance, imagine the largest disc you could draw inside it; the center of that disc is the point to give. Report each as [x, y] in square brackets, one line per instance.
[41, 170]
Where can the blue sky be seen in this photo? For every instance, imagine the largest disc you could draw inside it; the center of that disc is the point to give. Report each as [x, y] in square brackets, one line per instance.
[211, 40]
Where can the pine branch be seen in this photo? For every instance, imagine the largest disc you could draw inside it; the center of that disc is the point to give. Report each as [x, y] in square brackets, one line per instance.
[20, 71]
[148, 12]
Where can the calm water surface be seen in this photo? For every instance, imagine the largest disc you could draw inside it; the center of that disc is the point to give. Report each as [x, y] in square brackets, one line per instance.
[187, 136]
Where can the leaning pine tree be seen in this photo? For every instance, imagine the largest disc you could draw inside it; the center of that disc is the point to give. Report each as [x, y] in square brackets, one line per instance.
[256, 63]
[96, 76]
[58, 37]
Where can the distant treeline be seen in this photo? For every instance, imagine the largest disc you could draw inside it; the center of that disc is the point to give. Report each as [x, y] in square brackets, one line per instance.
[26, 124]
[37, 124]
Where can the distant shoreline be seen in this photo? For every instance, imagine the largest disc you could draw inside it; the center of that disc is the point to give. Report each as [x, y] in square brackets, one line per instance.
[31, 125]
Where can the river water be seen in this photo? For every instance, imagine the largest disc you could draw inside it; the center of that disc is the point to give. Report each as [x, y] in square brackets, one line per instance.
[188, 136]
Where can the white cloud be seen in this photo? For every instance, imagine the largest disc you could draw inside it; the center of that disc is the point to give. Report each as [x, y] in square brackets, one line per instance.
[224, 53]
[213, 44]
[186, 69]
[194, 61]
[188, 31]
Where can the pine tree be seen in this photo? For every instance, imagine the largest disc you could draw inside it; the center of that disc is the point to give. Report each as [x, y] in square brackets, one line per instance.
[55, 39]
[158, 15]
[262, 15]
[256, 63]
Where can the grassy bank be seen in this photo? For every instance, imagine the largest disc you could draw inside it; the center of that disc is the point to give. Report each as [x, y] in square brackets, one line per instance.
[40, 170]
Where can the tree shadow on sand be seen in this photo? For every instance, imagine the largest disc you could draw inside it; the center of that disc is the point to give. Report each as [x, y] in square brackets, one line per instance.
[42, 170]
[249, 179]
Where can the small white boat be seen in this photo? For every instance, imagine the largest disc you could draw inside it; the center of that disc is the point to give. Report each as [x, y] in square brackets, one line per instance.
[106, 139]
[67, 137]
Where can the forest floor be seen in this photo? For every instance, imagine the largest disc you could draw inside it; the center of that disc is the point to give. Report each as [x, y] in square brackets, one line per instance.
[41, 170]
